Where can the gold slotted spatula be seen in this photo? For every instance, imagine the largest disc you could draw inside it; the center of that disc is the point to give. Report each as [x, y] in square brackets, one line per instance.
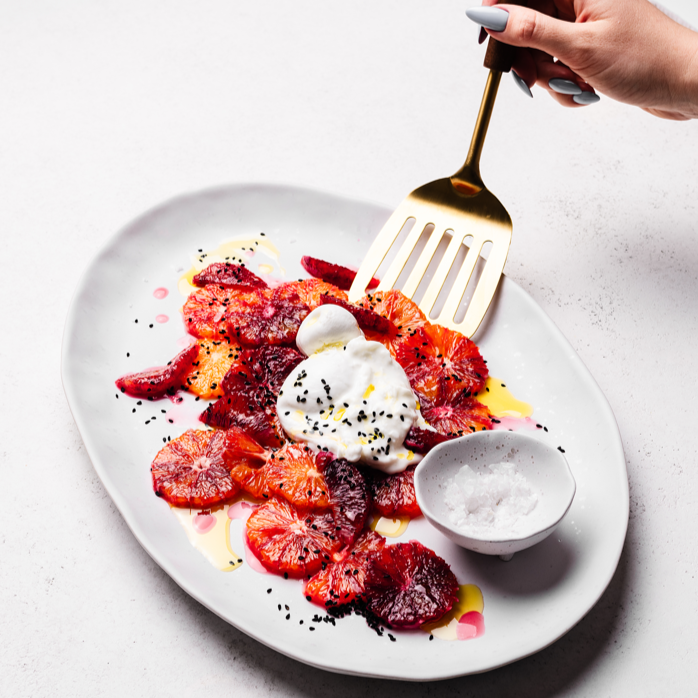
[458, 207]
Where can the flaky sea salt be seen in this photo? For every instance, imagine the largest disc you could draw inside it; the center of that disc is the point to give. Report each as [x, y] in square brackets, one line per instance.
[489, 502]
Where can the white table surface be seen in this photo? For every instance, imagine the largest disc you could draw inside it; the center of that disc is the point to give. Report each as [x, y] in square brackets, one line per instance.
[109, 108]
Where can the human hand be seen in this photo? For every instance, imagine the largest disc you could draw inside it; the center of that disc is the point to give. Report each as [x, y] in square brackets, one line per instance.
[626, 49]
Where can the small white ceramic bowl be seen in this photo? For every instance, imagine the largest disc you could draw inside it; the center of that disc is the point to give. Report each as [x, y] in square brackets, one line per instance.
[545, 468]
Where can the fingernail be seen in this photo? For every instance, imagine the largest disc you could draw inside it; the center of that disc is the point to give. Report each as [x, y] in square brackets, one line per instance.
[564, 87]
[586, 98]
[520, 82]
[493, 18]
[483, 35]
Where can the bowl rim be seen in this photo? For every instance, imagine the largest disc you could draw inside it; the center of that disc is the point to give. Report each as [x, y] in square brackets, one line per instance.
[460, 534]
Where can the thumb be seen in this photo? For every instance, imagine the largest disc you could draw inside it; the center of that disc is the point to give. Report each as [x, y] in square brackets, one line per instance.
[521, 26]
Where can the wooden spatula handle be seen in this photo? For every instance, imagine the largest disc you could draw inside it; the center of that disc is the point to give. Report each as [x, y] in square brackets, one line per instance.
[500, 56]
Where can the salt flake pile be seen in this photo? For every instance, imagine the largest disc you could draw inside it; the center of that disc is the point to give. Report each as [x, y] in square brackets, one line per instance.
[482, 503]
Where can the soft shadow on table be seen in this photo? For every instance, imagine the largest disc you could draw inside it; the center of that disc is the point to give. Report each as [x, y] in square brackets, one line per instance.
[551, 672]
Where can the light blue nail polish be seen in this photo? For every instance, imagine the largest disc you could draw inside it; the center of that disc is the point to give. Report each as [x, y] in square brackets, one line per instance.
[586, 98]
[493, 18]
[564, 87]
[520, 82]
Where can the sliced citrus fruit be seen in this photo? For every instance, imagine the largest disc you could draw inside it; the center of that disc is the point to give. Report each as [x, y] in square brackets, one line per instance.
[251, 480]
[309, 292]
[335, 274]
[403, 313]
[441, 364]
[350, 498]
[463, 416]
[423, 440]
[251, 388]
[205, 309]
[289, 542]
[393, 495]
[158, 382]
[368, 320]
[293, 473]
[265, 317]
[214, 360]
[343, 581]
[407, 585]
[246, 412]
[228, 274]
[193, 470]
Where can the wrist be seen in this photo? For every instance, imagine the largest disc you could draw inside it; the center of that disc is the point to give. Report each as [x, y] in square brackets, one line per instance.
[686, 92]
[691, 109]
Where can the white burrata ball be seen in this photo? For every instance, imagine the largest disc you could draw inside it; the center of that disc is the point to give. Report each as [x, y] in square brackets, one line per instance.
[325, 326]
[349, 396]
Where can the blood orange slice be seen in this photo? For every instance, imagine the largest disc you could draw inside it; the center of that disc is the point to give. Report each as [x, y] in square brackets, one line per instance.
[289, 542]
[252, 386]
[368, 320]
[422, 440]
[158, 382]
[228, 274]
[247, 412]
[393, 495]
[441, 364]
[251, 480]
[350, 499]
[205, 309]
[405, 316]
[343, 581]
[265, 317]
[214, 360]
[407, 585]
[310, 292]
[293, 473]
[463, 416]
[193, 470]
[335, 274]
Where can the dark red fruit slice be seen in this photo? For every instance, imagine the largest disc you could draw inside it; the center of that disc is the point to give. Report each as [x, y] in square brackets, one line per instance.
[369, 321]
[289, 542]
[343, 581]
[350, 499]
[268, 365]
[422, 440]
[251, 388]
[158, 382]
[193, 470]
[404, 314]
[205, 309]
[293, 473]
[393, 495]
[309, 291]
[228, 274]
[407, 585]
[265, 317]
[246, 412]
[335, 274]
[463, 416]
[442, 365]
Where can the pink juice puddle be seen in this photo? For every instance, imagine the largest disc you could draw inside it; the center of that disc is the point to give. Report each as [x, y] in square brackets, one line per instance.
[242, 511]
[184, 342]
[470, 626]
[203, 523]
[515, 423]
[161, 318]
[160, 293]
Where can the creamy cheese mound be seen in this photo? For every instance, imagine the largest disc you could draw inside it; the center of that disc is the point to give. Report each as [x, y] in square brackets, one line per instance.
[349, 396]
